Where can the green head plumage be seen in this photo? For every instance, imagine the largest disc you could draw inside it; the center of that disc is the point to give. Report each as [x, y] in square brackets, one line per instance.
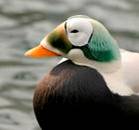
[101, 47]
[86, 35]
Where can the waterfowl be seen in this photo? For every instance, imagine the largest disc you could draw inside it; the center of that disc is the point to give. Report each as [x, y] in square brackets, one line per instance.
[88, 88]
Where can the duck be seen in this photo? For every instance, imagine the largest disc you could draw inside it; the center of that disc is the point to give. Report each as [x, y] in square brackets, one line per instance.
[87, 88]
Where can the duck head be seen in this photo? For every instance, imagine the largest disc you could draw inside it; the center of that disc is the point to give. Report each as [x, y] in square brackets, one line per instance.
[78, 36]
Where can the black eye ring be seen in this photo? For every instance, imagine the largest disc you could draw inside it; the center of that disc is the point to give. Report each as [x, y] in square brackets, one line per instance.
[74, 31]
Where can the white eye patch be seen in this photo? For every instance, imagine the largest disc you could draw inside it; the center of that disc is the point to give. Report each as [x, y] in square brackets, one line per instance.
[79, 31]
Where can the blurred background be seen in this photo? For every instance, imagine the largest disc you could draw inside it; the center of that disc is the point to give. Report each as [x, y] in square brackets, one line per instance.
[23, 23]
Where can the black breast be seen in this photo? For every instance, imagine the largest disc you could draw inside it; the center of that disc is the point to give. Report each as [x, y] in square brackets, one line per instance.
[73, 96]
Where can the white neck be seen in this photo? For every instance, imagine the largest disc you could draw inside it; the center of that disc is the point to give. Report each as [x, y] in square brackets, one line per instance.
[110, 71]
[77, 56]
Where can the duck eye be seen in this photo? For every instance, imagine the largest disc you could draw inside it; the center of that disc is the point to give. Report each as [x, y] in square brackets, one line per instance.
[74, 31]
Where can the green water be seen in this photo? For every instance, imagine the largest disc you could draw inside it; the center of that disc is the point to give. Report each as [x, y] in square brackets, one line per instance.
[23, 23]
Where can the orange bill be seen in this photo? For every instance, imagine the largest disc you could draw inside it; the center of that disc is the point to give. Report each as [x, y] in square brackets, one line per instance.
[40, 52]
